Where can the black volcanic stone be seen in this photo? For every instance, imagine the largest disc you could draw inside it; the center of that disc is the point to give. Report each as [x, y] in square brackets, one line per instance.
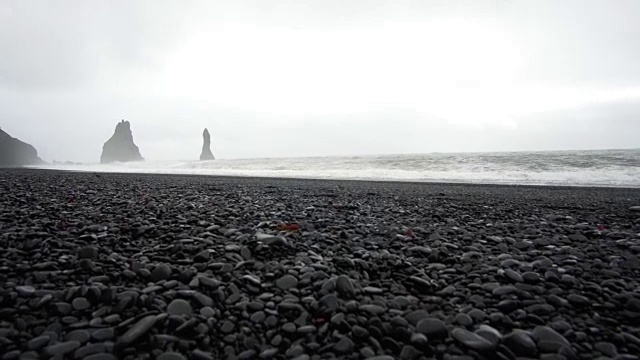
[103, 334]
[180, 307]
[513, 275]
[88, 252]
[633, 304]
[89, 349]
[578, 300]
[409, 352]
[286, 282]
[471, 340]
[414, 317]
[136, 331]
[202, 256]
[80, 335]
[431, 327]
[606, 348]
[38, 342]
[203, 299]
[25, 291]
[504, 290]
[549, 340]
[100, 357]
[161, 272]
[61, 348]
[227, 327]
[531, 277]
[81, 303]
[464, 320]
[490, 333]
[344, 287]
[171, 356]
[344, 346]
[329, 303]
[509, 305]
[520, 343]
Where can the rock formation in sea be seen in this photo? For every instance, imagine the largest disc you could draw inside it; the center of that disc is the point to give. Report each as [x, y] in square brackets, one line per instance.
[120, 147]
[14, 152]
[206, 146]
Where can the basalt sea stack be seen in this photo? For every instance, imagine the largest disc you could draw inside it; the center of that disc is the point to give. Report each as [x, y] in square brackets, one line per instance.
[206, 146]
[121, 146]
[14, 152]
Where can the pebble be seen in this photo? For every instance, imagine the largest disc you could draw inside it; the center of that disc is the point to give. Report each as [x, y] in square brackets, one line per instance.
[171, 356]
[410, 353]
[415, 316]
[471, 340]
[202, 256]
[100, 357]
[504, 290]
[160, 272]
[578, 300]
[432, 327]
[464, 320]
[530, 277]
[344, 287]
[137, 331]
[520, 343]
[198, 354]
[276, 241]
[549, 339]
[208, 282]
[372, 309]
[80, 335]
[88, 252]
[227, 327]
[344, 346]
[103, 334]
[287, 282]
[80, 304]
[25, 291]
[268, 353]
[493, 335]
[372, 290]
[180, 307]
[513, 275]
[203, 299]
[606, 348]
[252, 279]
[38, 342]
[62, 348]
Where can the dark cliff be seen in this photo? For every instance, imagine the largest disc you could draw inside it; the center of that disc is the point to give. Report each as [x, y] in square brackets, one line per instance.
[14, 152]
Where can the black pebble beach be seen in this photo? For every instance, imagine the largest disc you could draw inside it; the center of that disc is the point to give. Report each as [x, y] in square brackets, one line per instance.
[133, 266]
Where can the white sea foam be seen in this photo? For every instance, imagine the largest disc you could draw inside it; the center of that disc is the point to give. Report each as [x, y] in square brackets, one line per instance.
[577, 168]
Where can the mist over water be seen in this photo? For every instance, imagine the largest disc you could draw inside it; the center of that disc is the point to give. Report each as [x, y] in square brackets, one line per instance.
[618, 168]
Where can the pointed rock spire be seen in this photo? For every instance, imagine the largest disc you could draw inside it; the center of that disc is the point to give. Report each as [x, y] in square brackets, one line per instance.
[120, 147]
[206, 146]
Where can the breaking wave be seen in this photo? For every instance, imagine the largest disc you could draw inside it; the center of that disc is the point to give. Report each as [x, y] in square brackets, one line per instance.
[619, 168]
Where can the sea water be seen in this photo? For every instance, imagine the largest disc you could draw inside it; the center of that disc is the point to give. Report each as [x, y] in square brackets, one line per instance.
[617, 168]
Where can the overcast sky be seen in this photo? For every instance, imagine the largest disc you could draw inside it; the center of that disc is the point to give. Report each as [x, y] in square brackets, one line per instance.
[326, 77]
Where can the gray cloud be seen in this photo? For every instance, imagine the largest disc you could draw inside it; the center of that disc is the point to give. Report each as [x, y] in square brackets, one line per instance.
[320, 77]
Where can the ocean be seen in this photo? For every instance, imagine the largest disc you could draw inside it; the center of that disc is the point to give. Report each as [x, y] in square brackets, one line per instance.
[610, 168]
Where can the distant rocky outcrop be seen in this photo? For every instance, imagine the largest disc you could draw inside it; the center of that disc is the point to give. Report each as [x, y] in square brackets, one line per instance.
[14, 152]
[121, 146]
[206, 146]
